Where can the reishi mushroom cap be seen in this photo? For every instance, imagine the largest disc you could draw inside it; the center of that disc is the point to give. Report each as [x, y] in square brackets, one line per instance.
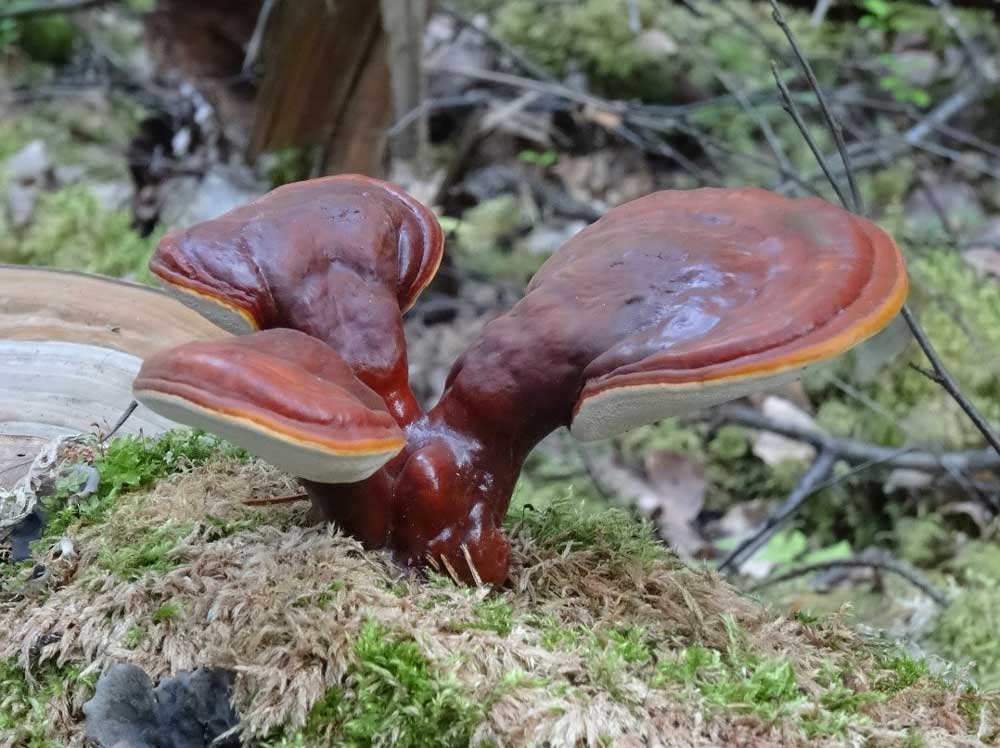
[281, 394]
[339, 258]
[691, 298]
[260, 263]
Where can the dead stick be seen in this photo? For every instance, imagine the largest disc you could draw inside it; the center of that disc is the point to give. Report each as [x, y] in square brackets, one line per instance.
[941, 374]
[121, 420]
[854, 451]
[910, 575]
[808, 484]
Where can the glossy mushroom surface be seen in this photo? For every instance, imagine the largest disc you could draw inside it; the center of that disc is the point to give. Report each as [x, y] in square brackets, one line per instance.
[339, 258]
[667, 304]
[284, 395]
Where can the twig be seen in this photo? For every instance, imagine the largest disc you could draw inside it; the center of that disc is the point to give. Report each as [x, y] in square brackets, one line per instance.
[760, 120]
[257, 38]
[838, 135]
[936, 206]
[941, 374]
[910, 575]
[943, 377]
[793, 112]
[121, 420]
[529, 67]
[819, 12]
[66, 6]
[276, 500]
[854, 451]
[969, 50]
[807, 485]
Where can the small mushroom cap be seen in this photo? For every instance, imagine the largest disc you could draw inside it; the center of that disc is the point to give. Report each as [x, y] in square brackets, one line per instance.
[712, 294]
[248, 259]
[339, 258]
[281, 394]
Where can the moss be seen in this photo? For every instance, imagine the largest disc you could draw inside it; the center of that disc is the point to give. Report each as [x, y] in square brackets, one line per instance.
[900, 671]
[924, 541]
[617, 655]
[49, 38]
[495, 614]
[562, 526]
[391, 696]
[27, 718]
[966, 630]
[288, 164]
[594, 36]
[128, 463]
[152, 553]
[484, 239]
[167, 612]
[735, 679]
[71, 230]
[133, 637]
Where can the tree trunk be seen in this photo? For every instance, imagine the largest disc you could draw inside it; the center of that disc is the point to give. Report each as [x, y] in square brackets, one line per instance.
[326, 84]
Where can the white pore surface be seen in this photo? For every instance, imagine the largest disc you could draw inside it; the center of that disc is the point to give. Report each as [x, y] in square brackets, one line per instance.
[218, 314]
[54, 389]
[313, 462]
[617, 410]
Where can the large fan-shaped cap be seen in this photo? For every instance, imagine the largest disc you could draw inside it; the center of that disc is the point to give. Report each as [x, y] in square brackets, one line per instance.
[338, 258]
[703, 296]
[70, 346]
[283, 395]
[677, 301]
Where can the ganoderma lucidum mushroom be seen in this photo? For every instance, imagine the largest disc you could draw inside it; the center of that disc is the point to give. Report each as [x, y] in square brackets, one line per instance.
[670, 303]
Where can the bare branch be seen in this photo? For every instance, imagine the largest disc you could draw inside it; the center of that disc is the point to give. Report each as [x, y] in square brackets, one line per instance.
[854, 451]
[910, 575]
[793, 111]
[838, 135]
[808, 484]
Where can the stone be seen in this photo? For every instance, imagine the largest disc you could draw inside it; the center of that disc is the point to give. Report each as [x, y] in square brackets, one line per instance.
[189, 710]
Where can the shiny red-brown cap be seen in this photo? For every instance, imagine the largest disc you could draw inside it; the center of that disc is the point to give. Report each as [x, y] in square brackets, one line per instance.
[266, 263]
[703, 296]
[340, 258]
[281, 394]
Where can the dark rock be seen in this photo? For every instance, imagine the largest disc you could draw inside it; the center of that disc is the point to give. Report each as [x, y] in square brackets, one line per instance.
[24, 533]
[189, 710]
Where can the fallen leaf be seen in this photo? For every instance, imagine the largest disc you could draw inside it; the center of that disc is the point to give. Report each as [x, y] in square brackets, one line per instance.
[773, 448]
[679, 480]
[670, 501]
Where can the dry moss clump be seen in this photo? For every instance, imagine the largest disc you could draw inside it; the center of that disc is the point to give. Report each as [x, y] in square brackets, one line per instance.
[600, 638]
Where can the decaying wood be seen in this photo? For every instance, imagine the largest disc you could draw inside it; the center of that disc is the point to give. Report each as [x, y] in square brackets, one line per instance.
[404, 24]
[326, 84]
[59, 305]
[51, 389]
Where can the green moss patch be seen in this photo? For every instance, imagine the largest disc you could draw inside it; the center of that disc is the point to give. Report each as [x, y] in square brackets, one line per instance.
[599, 638]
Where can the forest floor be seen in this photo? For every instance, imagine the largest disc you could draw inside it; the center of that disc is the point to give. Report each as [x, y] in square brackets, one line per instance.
[867, 618]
